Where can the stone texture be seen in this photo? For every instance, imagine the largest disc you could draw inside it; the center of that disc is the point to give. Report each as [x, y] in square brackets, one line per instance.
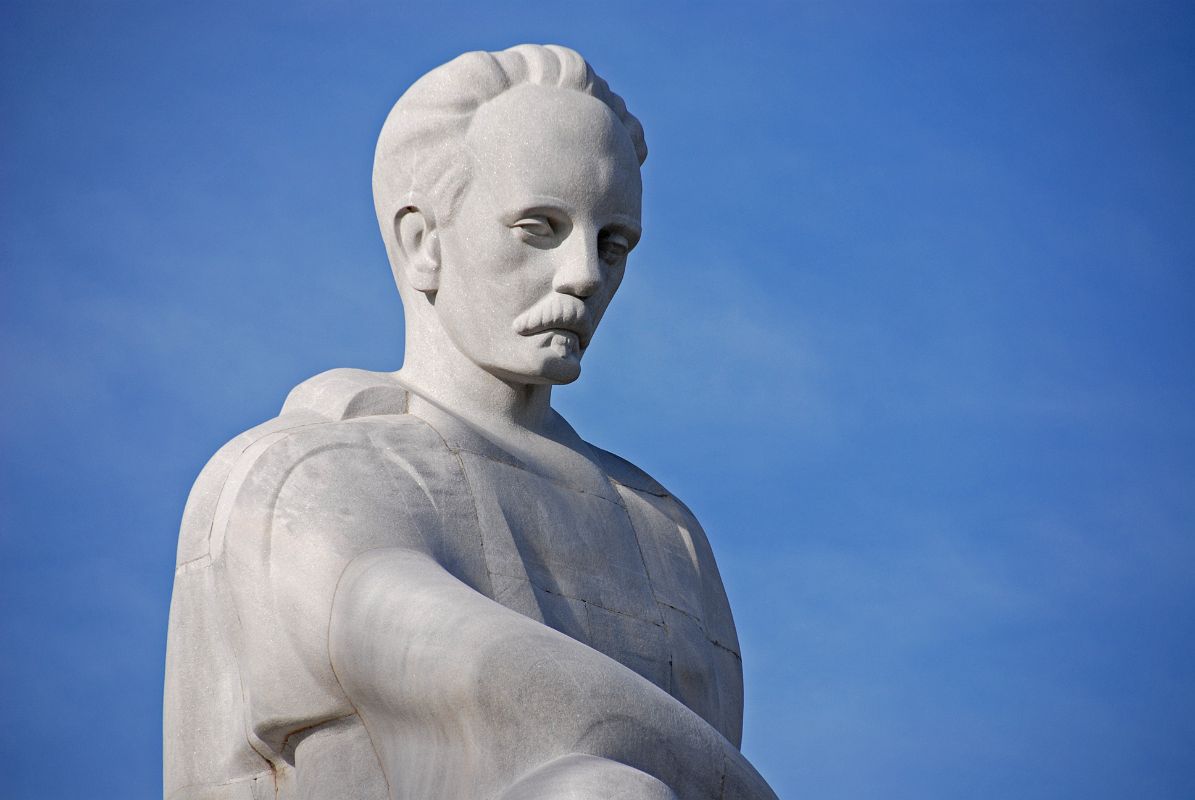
[425, 584]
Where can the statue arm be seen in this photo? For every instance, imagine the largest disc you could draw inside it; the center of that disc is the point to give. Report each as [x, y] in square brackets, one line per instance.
[462, 696]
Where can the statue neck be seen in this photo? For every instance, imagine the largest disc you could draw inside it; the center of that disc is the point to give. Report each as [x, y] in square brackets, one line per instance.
[445, 376]
[554, 452]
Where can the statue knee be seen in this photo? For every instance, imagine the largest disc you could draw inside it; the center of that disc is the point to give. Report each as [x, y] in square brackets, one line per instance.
[582, 777]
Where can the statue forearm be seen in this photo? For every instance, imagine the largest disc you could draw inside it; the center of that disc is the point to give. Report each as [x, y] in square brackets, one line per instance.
[455, 687]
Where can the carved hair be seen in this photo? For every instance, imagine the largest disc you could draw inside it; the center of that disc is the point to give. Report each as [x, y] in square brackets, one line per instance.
[421, 147]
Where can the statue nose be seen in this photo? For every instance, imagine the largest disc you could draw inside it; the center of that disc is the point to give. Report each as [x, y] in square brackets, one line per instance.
[580, 274]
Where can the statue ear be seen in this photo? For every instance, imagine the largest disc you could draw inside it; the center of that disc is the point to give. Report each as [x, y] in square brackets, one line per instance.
[418, 248]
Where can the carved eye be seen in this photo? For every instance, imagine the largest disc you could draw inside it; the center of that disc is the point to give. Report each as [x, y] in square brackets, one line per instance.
[613, 247]
[534, 227]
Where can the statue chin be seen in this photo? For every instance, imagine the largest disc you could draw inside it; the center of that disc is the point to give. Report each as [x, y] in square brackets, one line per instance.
[544, 359]
[551, 371]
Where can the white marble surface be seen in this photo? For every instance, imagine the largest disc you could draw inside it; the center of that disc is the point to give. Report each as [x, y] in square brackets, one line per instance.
[425, 584]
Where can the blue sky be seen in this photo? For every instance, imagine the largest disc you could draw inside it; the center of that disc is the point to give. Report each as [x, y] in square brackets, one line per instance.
[910, 329]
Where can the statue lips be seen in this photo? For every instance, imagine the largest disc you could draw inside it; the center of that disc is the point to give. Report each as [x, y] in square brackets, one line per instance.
[559, 313]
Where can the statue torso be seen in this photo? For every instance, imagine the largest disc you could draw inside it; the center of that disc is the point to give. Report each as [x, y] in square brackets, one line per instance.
[601, 553]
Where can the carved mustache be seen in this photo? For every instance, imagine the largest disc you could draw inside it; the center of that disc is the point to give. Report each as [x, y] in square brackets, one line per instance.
[556, 312]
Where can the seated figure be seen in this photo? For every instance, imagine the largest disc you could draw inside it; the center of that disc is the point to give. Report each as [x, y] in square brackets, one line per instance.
[424, 585]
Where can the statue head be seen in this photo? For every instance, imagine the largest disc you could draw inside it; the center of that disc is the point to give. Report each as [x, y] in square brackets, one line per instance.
[507, 189]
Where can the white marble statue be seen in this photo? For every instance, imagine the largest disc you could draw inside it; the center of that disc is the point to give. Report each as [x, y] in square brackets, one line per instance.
[424, 585]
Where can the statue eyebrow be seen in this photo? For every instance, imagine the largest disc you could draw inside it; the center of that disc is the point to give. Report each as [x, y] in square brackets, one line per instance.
[630, 223]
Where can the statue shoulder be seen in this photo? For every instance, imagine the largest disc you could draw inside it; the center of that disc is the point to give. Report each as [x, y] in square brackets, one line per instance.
[341, 394]
[631, 477]
[340, 423]
[625, 473]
